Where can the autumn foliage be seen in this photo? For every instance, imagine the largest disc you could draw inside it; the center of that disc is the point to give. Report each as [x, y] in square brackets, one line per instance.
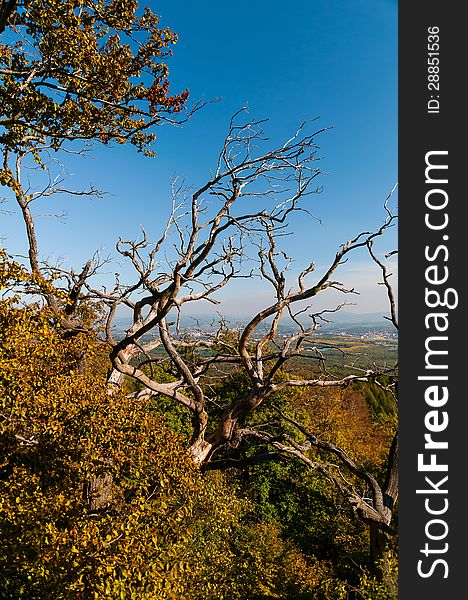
[80, 69]
[101, 499]
[117, 450]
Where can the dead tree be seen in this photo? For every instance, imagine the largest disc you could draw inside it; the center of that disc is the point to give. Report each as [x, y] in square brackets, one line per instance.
[374, 503]
[231, 227]
[245, 205]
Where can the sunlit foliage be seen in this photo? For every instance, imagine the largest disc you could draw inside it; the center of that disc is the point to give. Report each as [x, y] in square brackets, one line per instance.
[82, 70]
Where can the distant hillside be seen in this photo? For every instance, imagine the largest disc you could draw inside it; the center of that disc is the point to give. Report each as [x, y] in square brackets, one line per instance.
[342, 320]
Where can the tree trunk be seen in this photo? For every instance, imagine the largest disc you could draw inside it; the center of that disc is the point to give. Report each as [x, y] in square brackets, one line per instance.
[200, 450]
[380, 555]
[114, 381]
[99, 491]
[30, 231]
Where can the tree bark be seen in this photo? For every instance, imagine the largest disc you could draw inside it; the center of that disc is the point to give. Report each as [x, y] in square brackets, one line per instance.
[380, 558]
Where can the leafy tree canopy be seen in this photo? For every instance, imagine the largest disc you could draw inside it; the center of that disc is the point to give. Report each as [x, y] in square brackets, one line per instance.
[83, 69]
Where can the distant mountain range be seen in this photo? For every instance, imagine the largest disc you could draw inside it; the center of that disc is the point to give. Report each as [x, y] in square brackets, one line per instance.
[342, 320]
[350, 318]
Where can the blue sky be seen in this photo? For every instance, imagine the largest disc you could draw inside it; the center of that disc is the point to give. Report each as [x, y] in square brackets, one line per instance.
[336, 60]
